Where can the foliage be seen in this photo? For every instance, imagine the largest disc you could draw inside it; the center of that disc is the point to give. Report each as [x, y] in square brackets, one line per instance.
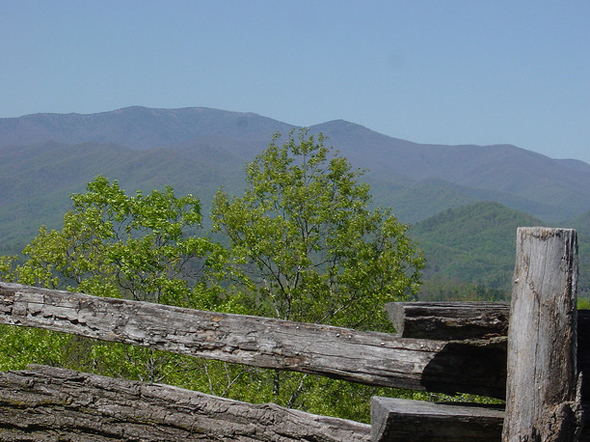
[582, 226]
[133, 247]
[583, 303]
[20, 347]
[474, 244]
[142, 247]
[304, 246]
[6, 266]
[438, 289]
[305, 243]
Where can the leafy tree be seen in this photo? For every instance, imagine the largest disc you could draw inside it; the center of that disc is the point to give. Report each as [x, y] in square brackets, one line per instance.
[306, 243]
[306, 246]
[6, 266]
[142, 247]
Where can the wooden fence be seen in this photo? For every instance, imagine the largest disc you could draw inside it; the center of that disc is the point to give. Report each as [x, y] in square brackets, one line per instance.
[532, 354]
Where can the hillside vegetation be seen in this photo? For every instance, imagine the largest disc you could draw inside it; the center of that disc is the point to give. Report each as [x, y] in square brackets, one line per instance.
[549, 189]
[470, 251]
[37, 181]
[473, 245]
[582, 226]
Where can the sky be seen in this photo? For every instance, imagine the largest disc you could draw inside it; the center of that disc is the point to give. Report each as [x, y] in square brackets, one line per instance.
[429, 71]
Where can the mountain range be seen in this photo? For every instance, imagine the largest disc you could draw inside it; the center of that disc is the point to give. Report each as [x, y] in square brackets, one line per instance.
[46, 157]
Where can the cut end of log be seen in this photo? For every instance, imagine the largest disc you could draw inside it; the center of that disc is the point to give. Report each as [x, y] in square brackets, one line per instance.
[404, 420]
[449, 320]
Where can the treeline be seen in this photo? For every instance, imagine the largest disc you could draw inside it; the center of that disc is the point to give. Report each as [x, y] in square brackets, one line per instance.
[470, 251]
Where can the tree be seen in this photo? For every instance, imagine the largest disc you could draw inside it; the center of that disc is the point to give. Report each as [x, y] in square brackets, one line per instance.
[306, 243]
[306, 246]
[143, 247]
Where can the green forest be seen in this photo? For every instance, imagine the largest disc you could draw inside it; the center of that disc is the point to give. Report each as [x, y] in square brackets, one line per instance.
[470, 252]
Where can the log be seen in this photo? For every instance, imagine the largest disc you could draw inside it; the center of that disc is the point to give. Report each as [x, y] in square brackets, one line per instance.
[469, 320]
[365, 357]
[449, 320]
[543, 400]
[462, 320]
[52, 404]
[406, 420]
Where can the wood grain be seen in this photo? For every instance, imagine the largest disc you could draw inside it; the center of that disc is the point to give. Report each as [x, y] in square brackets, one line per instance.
[418, 421]
[365, 357]
[542, 403]
[52, 404]
[449, 320]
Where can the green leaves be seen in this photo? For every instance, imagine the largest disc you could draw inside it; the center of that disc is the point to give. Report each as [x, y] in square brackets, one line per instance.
[145, 247]
[307, 246]
[111, 244]
[304, 237]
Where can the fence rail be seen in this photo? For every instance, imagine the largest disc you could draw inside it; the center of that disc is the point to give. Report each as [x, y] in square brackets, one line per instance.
[469, 355]
[365, 357]
[53, 404]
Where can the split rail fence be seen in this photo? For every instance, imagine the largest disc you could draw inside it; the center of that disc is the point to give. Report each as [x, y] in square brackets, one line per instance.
[532, 353]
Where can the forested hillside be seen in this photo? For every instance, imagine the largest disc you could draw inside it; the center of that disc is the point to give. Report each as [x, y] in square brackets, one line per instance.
[582, 225]
[470, 251]
[46, 157]
[37, 181]
[418, 180]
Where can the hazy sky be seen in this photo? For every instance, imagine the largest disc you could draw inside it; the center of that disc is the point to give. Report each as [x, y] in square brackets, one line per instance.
[448, 72]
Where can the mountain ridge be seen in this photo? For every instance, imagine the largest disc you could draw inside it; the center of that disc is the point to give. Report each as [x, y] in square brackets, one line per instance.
[134, 126]
[203, 149]
[464, 201]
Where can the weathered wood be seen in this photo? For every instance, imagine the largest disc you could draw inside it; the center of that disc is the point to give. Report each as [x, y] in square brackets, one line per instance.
[394, 420]
[542, 402]
[366, 357]
[405, 420]
[425, 320]
[449, 320]
[51, 404]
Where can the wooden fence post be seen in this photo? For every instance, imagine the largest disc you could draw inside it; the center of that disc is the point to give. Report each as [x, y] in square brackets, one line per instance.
[542, 400]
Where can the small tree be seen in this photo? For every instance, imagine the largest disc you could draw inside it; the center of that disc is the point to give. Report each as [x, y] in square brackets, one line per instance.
[307, 243]
[306, 246]
[142, 247]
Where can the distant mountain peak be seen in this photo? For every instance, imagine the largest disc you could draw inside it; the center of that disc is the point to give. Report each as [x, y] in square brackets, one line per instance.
[342, 125]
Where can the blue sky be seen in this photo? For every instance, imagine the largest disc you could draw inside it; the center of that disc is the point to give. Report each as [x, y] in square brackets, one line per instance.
[445, 72]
